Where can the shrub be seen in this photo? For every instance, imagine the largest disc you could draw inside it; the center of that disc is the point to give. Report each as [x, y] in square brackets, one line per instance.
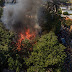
[65, 13]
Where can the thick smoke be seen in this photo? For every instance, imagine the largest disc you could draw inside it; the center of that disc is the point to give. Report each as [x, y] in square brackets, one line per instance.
[21, 15]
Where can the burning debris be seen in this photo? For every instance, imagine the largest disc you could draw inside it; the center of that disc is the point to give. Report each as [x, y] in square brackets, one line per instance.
[22, 19]
[26, 35]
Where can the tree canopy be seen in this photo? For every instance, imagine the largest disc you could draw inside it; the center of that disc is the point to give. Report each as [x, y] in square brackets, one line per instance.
[49, 19]
[5, 39]
[46, 53]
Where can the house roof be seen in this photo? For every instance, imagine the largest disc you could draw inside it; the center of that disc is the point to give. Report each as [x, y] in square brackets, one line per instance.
[67, 18]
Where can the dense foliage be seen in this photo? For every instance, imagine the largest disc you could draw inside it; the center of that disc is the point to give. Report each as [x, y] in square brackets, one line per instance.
[5, 39]
[41, 55]
[47, 53]
[49, 19]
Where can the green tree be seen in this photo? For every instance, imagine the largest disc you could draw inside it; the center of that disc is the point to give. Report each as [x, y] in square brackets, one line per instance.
[5, 39]
[16, 60]
[47, 53]
[15, 64]
[49, 19]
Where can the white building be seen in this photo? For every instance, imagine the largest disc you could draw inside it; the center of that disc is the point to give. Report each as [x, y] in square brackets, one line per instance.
[66, 9]
[63, 8]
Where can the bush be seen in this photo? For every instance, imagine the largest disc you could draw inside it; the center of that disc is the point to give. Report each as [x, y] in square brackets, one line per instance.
[65, 13]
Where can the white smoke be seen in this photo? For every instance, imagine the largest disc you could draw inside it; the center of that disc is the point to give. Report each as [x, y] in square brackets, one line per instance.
[21, 15]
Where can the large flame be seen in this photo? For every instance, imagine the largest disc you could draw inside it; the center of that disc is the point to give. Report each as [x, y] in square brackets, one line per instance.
[27, 35]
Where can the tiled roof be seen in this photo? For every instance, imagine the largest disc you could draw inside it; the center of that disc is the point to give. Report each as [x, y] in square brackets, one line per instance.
[67, 18]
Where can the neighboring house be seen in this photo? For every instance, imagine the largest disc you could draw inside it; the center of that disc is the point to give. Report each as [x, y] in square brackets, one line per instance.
[69, 11]
[66, 9]
[68, 18]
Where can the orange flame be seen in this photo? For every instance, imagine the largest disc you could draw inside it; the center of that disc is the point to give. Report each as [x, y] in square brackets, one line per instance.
[26, 35]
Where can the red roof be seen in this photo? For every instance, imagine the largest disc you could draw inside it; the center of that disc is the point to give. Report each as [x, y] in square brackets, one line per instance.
[67, 18]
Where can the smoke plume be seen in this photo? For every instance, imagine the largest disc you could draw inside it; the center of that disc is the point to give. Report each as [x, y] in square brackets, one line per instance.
[21, 15]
